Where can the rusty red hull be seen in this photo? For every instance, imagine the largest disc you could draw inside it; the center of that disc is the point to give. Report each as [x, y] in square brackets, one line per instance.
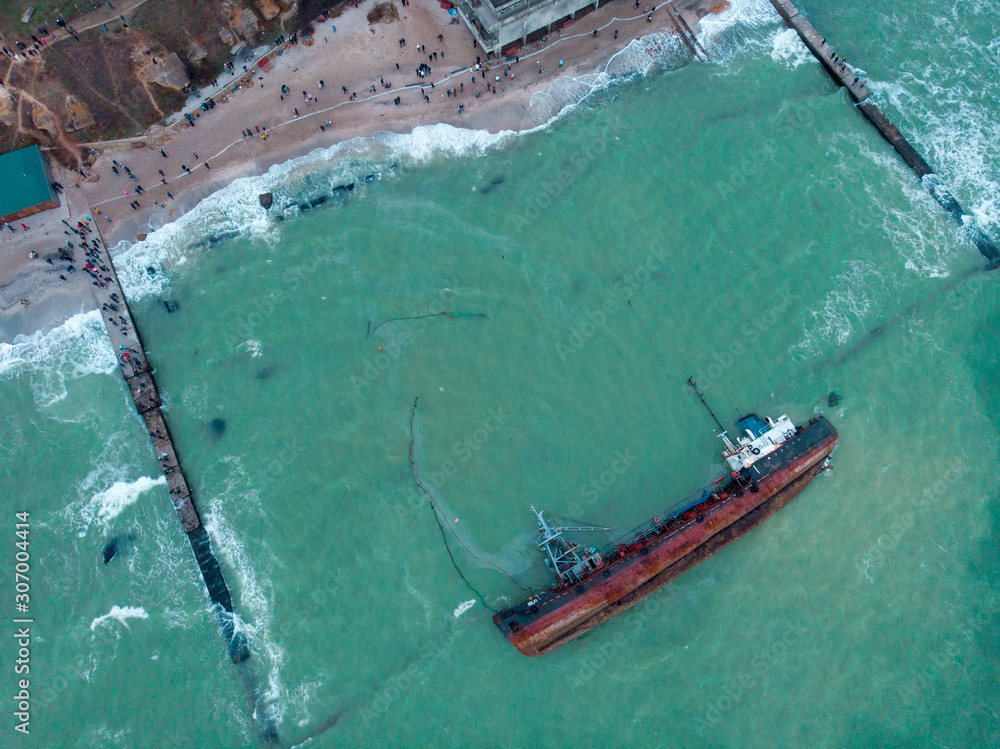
[557, 617]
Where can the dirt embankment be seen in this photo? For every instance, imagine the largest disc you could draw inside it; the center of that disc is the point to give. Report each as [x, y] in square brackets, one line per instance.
[119, 77]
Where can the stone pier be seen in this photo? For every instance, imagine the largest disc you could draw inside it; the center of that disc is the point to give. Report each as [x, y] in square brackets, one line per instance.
[844, 75]
[135, 368]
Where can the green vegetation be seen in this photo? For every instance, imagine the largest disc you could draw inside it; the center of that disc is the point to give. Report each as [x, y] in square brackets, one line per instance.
[46, 13]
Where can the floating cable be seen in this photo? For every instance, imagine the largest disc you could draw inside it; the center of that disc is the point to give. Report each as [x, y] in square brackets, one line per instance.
[452, 315]
[438, 511]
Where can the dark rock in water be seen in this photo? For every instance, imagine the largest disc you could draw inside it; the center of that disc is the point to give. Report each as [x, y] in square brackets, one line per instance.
[117, 546]
[370, 177]
[265, 373]
[833, 400]
[151, 270]
[111, 549]
[171, 305]
[487, 189]
[265, 199]
[318, 201]
[221, 237]
[218, 428]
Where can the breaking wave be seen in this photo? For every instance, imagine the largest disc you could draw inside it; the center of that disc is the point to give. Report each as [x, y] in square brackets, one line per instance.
[77, 348]
[298, 185]
[641, 56]
[108, 504]
[334, 173]
[847, 308]
[119, 614]
[789, 50]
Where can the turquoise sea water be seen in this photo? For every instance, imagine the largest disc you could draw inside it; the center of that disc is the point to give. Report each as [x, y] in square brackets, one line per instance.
[738, 222]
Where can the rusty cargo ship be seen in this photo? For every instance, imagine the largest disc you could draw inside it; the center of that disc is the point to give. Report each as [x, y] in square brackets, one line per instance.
[768, 467]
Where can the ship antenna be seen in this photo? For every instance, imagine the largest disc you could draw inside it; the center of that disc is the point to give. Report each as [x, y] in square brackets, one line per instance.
[730, 447]
[701, 397]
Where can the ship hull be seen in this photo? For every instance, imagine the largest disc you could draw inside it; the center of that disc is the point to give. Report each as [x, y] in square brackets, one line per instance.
[566, 614]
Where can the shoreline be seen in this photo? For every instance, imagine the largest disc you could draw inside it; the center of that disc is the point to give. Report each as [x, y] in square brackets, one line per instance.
[359, 48]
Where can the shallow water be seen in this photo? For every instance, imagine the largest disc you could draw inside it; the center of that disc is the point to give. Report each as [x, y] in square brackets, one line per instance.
[738, 222]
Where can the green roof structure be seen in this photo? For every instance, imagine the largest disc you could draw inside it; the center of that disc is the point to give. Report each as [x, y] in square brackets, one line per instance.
[24, 184]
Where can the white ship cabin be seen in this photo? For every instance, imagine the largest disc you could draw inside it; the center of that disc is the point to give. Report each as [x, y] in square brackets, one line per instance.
[763, 436]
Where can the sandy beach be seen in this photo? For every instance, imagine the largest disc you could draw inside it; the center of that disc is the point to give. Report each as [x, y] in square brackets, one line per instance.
[358, 57]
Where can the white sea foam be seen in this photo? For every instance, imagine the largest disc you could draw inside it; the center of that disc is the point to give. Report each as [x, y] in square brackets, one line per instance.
[119, 614]
[234, 210]
[845, 308]
[256, 600]
[789, 50]
[463, 607]
[924, 238]
[252, 347]
[108, 504]
[946, 106]
[723, 35]
[639, 57]
[77, 348]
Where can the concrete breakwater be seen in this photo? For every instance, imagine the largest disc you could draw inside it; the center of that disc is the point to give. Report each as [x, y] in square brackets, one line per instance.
[135, 368]
[844, 75]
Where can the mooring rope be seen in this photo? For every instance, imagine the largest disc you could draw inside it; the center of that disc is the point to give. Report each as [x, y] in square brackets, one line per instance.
[452, 315]
[438, 514]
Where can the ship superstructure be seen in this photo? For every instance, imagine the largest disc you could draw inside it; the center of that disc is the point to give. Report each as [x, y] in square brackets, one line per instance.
[774, 461]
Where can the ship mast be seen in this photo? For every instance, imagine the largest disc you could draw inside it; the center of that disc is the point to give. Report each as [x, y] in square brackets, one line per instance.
[722, 430]
[567, 561]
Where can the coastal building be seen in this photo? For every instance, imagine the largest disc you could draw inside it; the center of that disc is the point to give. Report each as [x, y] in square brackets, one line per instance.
[502, 25]
[25, 185]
